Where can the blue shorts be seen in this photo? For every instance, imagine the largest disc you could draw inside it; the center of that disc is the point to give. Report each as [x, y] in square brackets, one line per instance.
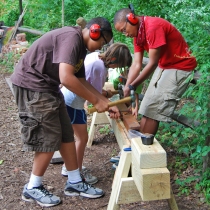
[77, 116]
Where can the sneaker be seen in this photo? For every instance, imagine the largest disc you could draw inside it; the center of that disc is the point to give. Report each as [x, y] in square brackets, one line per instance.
[83, 189]
[42, 196]
[115, 159]
[89, 178]
[114, 166]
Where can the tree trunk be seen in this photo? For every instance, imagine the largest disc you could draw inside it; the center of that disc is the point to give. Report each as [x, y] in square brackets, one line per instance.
[206, 159]
[62, 21]
[21, 10]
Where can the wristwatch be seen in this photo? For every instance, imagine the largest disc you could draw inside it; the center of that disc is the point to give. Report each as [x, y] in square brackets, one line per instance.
[131, 87]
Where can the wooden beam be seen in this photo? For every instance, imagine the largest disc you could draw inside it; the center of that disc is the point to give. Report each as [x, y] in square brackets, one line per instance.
[120, 132]
[153, 183]
[148, 156]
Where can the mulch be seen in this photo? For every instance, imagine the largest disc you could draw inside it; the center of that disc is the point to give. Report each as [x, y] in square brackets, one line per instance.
[15, 169]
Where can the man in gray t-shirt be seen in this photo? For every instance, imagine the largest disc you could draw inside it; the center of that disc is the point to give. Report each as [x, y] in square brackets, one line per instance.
[56, 58]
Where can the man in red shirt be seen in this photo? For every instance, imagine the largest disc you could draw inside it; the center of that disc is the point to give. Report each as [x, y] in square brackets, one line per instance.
[169, 59]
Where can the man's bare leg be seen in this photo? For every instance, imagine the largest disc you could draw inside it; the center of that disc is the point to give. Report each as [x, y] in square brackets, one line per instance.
[148, 125]
[41, 162]
[68, 153]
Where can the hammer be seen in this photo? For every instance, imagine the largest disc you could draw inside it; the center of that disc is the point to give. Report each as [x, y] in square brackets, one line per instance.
[115, 92]
[113, 103]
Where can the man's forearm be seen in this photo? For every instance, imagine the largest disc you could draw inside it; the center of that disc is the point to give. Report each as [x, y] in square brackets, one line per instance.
[94, 91]
[145, 73]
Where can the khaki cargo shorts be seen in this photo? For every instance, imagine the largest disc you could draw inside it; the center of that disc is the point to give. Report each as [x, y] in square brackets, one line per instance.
[44, 120]
[163, 93]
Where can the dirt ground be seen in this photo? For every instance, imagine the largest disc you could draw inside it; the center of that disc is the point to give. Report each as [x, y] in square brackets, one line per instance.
[15, 169]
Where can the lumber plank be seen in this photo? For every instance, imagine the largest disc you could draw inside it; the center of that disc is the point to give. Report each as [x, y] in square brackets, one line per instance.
[152, 183]
[120, 132]
[56, 158]
[148, 156]
[109, 86]
[130, 122]
[121, 172]
[8, 80]
[128, 192]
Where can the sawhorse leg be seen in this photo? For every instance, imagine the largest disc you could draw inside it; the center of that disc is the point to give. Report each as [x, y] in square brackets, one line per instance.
[121, 172]
[97, 119]
[172, 202]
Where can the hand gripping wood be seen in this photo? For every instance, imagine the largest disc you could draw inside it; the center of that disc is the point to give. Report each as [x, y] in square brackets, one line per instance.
[113, 103]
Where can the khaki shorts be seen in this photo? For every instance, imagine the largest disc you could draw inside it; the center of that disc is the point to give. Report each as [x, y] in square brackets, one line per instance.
[163, 93]
[44, 120]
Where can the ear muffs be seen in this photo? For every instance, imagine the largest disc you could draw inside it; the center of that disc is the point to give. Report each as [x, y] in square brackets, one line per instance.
[95, 32]
[130, 17]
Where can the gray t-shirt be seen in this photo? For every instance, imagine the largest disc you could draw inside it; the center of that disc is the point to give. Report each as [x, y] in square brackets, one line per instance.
[38, 69]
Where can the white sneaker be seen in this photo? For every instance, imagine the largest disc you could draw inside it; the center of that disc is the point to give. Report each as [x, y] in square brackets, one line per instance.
[85, 174]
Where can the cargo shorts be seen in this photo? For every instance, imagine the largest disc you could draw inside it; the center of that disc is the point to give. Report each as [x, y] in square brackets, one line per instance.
[44, 120]
[163, 93]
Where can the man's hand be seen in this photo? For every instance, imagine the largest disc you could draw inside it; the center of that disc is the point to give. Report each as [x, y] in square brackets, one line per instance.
[110, 94]
[126, 91]
[114, 112]
[101, 106]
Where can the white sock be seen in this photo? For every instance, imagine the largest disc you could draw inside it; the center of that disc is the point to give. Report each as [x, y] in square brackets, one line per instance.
[35, 181]
[74, 176]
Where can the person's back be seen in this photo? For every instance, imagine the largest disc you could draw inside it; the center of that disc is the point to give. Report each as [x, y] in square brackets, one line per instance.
[38, 69]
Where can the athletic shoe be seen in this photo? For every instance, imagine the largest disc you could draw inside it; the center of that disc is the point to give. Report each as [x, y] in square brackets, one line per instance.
[42, 196]
[114, 166]
[115, 159]
[83, 189]
[89, 178]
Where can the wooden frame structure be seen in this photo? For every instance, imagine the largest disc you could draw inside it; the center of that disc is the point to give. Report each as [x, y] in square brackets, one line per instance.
[150, 178]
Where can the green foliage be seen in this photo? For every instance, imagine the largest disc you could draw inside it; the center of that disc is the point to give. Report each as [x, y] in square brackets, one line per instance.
[192, 19]
[8, 61]
[105, 129]
[9, 12]
[90, 105]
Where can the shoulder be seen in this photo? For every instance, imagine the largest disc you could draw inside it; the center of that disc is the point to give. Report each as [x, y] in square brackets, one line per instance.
[92, 59]
[67, 33]
[156, 21]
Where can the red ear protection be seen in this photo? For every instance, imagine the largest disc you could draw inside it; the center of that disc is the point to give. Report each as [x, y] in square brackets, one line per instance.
[95, 32]
[131, 16]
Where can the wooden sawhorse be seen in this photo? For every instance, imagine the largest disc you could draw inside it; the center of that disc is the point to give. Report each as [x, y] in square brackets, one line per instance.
[150, 178]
